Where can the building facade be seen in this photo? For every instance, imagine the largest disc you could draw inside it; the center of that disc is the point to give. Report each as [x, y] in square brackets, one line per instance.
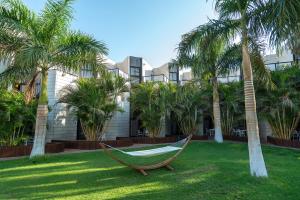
[63, 124]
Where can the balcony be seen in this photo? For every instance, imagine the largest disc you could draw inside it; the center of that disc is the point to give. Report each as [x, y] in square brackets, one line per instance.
[118, 72]
[229, 79]
[279, 65]
[155, 78]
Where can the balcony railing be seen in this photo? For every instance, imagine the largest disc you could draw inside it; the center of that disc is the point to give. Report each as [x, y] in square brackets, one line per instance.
[157, 78]
[184, 81]
[228, 79]
[279, 65]
[118, 72]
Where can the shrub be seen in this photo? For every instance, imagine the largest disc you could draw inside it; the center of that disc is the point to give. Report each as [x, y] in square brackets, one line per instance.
[281, 106]
[186, 102]
[94, 102]
[17, 118]
[148, 101]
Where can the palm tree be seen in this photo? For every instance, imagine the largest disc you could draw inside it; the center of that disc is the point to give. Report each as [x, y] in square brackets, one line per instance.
[248, 20]
[295, 43]
[209, 59]
[32, 44]
[148, 100]
[187, 102]
[232, 106]
[94, 102]
[281, 106]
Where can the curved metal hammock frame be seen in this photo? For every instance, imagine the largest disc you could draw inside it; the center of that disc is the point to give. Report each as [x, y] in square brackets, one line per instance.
[141, 168]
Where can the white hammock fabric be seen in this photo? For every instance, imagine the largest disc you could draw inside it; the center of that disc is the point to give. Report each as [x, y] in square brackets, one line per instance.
[154, 151]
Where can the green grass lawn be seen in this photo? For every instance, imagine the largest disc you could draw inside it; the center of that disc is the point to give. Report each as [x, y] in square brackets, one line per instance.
[203, 171]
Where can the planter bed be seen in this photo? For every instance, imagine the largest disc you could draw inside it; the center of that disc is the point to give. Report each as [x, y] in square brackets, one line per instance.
[91, 145]
[158, 140]
[25, 150]
[200, 137]
[148, 140]
[283, 143]
[122, 142]
[235, 138]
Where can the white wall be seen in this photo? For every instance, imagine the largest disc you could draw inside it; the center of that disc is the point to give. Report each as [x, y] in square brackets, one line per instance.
[164, 69]
[186, 76]
[124, 66]
[285, 56]
[62, 124]
[231, 77]
[146, 67]
[2, 67]
[119, 124]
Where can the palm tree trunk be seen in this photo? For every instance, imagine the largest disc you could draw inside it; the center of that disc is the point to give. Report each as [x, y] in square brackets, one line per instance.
[38, 148]
[217, 112]
[257, 163]
[265, 130]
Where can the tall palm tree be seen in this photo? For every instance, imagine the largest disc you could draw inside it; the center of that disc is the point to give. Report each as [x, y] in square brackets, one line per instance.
[32, 44]
[209, 59]
[248, 20]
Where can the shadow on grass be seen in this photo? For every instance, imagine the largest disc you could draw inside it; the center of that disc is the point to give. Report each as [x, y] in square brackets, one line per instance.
[203, 171]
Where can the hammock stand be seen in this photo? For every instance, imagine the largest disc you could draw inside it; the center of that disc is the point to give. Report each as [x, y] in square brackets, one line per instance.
[142, 168]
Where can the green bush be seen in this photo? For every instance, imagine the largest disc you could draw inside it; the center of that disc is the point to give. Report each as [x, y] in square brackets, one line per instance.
[17, 118]
[187, 102]
[94, 102]
[281, 105]
[232, 106]
[148, 100]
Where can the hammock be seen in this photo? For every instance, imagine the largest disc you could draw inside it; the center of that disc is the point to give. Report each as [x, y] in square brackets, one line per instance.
[178, 146]
[154, 151]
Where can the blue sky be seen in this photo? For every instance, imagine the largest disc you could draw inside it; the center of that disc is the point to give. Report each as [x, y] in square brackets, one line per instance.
[146, 28]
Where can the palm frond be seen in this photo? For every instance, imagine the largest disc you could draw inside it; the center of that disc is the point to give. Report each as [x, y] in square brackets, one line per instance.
[281, 19]
[230, 60]
[76, 49]
[55, 18]
[16, 17]
[15, 73]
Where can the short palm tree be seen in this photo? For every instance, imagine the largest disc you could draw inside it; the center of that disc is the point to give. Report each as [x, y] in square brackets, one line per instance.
[248, 20]
[295, 43]
[281, 106]
[148, 100]
[94, 101]
[187, 102]
[32, 44]
[232, 106]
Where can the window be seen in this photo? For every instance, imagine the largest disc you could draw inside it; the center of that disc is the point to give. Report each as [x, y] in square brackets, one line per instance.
[135, 76]
[173, 76]
[173, 69]
[134, 71]
[134, 79]
[135, 62]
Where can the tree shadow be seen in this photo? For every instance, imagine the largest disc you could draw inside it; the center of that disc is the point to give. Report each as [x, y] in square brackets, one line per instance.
[203, 171]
